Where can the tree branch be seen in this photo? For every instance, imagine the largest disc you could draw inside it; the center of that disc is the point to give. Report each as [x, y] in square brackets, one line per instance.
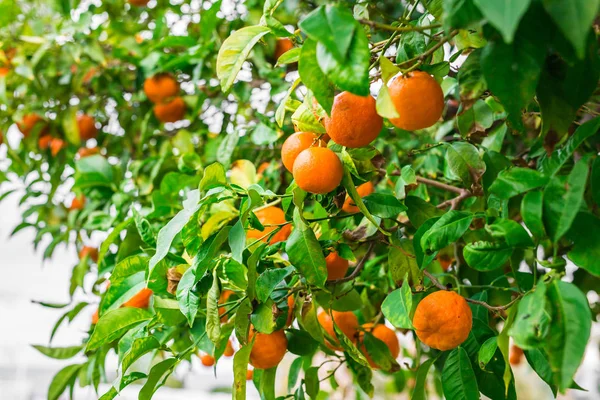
[439, 285]
[440, 185]
[387, 27]
[358, 267]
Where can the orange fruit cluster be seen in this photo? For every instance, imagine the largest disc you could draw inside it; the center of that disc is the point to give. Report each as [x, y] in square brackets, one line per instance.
[162, 90]
[443, 320]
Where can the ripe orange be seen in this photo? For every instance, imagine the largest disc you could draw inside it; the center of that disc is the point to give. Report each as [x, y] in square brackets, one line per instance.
[87, 127]
[268, 349]
[95, 317]
[270, 216]
[78, 203]
[140, 300]
[29, 122]
[354, 121]
[419, 100]
[249, 374]
[89, 75]
[138, 3]
[291, 304]
[387, 336]
[336, 266]
[44, 142]
[1, 137]
[363, 190]
[223, 298]
[294, 145]
[229, 349]
[516, 355]
[282, 46]
[56, 145]
[92, 252]
[318, 170]
[4, 71]
[87, 151]
[345, 320]
[161, 88]
[445, 261]
[172, 111]
[443, 320]
[207, 360]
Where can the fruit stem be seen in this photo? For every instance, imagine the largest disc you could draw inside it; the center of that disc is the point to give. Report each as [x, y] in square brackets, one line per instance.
[393, 28]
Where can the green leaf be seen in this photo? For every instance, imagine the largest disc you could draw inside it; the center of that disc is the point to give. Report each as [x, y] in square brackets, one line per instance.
[448, 229]
[166, 235]
[504, 15]
[235, 50]
[357, 199]
[532, 321]
[240, 366]
[569, 331]
[214, 176]
[384, 105]
[383, 205]
[562, 200]
[511, 232]
[458, 378]
[574, 19]
[515, 181]
[300, 342]
[549, 165]
[460, 13]
[397, 307]
[110, 239]
[486, 256]
[471, 82]
[305, 252]
[64, 378]
[487, 351]
[311, 382]
[138, 348]
[306, 121]
[565, 85]
[313, 77]
[402, 261]
[352, 74]
[380, 353]
[418, 392]
[464, 161]
[420, 211]
[213, 319]
[512, 70]
[114, 324]
[268, 280]
[476, 119]
[237, 241]
[59, 353]
[586, 249]
[540, 364]
[334, 27]
[595, 181]
[531, 211]
[157, 377]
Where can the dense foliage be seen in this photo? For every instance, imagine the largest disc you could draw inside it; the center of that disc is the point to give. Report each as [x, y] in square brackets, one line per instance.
[497, 202]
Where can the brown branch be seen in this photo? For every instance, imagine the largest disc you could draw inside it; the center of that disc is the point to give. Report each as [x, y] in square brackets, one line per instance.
[358, 267]
[387, 27]
[440, 185]
[455, 201]
[439, 285]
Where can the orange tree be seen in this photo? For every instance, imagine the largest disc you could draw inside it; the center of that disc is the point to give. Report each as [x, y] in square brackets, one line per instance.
[446, 177]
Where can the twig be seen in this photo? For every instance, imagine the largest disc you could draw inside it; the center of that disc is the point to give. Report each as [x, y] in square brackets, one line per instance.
[429, 52]
[439, 285]
[358, 267]
[455, 201]
[387, 27]
[440, 185]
